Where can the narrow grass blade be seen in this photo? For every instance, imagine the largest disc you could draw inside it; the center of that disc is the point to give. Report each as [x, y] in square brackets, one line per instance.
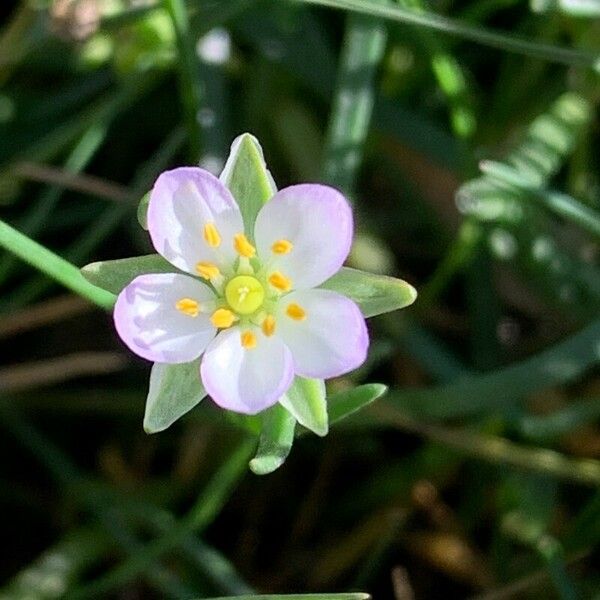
[495, 449]
[344, 404]
[205, 509]
[350, 596]
[474, 394]
[189, 72]
[362, 51]
[501, 41]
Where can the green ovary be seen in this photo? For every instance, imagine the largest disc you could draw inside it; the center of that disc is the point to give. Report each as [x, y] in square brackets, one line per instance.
[244, 294]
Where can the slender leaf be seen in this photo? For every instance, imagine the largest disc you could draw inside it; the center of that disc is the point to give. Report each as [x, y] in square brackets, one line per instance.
[350, 596]
[344, 404]
[362, 51]
[52, 265]
[502, 41]
[473, 394]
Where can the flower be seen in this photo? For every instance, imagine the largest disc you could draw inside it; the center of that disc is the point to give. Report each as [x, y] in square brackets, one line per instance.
[247, 302]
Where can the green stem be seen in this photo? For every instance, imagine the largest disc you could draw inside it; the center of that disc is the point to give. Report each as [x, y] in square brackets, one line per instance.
[52, 265]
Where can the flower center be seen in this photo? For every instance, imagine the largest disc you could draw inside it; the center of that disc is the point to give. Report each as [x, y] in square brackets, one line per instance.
[244, 294]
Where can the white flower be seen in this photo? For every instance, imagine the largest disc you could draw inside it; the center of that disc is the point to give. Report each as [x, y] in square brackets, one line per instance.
[247, 301]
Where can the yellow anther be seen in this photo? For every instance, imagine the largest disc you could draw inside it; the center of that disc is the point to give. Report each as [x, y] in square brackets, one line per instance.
[268, 325]
[296, 312]
[222, 318]
[211, 235]
[188, 307]
[207, 270]
[282, 247]
[248, 340]
[280, 281]
[242, 246]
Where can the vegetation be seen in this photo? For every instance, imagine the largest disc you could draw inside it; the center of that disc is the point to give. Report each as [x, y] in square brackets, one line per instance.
[463, 459]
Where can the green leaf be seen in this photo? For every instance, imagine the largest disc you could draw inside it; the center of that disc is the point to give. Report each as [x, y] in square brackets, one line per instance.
[305, 400]
[114, 275]
[344, 404]
[276, 439]
[350, 596]
[246, 175]
[374, 294]
[174, 390]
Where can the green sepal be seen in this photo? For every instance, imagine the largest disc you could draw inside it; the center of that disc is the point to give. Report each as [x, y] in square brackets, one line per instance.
[142, 211]
[346, 403]
[275, 442]
[374, 294]
[305, 400]
[247, 177]
[114, 275]
[174, 390]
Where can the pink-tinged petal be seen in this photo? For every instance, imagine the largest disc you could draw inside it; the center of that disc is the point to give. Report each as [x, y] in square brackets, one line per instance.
[317, 221]
[148, 320]
[246, 380]
[182, 203]
[326, 333]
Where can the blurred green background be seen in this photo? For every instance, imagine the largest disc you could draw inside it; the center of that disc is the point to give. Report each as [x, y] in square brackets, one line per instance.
[466, 134]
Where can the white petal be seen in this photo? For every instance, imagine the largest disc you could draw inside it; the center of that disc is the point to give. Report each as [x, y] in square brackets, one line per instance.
[246, 380]
[317, 220]
[183, 201]
[148, 321]
[331, 340]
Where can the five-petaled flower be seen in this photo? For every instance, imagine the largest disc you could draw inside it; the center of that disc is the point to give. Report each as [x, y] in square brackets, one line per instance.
[247, 302]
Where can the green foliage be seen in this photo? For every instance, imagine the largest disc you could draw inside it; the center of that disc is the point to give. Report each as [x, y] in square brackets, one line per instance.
[472, 470]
